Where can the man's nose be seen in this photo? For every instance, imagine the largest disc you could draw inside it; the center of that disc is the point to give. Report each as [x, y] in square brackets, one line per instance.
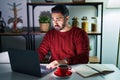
[55, 21]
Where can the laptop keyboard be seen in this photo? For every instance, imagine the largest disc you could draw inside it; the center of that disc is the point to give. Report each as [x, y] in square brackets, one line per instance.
[44, 70]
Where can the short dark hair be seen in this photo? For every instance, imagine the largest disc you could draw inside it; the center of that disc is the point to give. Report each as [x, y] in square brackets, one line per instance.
[60, 8]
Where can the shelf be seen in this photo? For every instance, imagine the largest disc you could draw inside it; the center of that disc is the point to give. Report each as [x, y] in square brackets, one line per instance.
[9, 32]
[36, 33]
[94, 33]
[13, 34]
[93, 59]
[66, 3]
[89, 33]
[98, 6]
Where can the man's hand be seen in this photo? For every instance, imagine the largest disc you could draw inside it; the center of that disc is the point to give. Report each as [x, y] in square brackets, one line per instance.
[55, 63]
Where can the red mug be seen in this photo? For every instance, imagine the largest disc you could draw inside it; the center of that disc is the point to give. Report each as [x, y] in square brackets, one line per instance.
[63, 69]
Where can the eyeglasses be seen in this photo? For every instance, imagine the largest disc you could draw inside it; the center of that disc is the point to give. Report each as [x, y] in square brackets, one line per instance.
[58, 19]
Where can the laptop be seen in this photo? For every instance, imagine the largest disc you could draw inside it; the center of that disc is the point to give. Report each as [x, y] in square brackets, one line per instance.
[27, 62]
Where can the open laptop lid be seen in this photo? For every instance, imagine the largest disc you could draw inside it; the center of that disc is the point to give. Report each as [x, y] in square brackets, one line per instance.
[25, 61]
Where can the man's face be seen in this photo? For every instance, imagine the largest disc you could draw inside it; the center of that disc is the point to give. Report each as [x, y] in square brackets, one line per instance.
[59, 21]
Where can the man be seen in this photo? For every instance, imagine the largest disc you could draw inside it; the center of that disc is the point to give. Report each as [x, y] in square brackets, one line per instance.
[67, 44]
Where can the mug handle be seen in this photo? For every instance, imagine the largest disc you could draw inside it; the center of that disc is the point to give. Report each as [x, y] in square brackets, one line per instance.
[69, 67]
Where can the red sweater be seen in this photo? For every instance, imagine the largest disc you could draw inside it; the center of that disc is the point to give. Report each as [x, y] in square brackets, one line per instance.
[72, 45]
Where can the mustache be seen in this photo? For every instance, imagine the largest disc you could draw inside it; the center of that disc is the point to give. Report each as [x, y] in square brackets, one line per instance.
[57, 26]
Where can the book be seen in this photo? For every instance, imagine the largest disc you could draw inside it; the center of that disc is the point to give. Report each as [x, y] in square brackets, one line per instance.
[87, 70]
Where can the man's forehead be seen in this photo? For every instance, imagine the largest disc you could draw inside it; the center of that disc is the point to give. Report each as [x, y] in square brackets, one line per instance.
[58, 13]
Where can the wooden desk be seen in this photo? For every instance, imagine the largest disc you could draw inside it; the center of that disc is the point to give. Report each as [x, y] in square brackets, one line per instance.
[7, 74]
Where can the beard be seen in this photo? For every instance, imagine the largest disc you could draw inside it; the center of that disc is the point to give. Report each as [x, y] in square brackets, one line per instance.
[58, 27]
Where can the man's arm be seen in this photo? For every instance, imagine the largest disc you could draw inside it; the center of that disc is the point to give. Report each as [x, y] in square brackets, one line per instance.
[43, 48]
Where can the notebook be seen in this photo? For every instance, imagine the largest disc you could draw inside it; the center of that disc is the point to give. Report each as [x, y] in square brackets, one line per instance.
[27, 62]
[87, 70]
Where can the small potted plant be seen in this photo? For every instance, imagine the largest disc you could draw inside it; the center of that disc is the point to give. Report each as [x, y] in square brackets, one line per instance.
[44, 22]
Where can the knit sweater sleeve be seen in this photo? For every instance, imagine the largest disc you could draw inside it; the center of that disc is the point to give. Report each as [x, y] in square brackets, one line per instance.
[43, 48]
[81, 43]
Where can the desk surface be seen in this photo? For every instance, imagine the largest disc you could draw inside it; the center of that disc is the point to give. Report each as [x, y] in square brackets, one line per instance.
[7, 74]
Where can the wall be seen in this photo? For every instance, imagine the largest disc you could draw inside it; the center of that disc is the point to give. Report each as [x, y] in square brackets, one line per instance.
[110, 35]
[111, 24]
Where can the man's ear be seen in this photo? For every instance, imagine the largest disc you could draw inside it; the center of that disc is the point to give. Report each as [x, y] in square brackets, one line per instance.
[67, 18]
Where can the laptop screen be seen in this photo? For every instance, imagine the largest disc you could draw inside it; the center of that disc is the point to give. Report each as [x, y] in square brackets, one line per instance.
[25, 61]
